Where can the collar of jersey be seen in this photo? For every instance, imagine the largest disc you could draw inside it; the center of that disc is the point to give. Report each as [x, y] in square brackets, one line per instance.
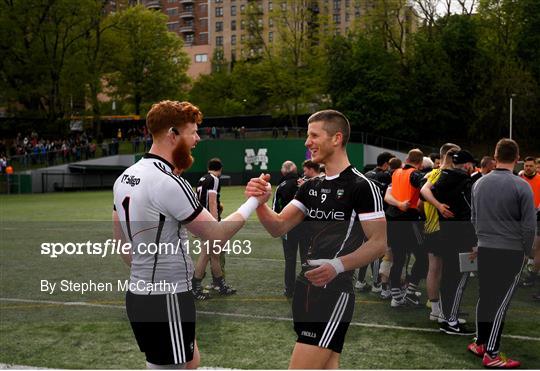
[337, 175]
[156, 157]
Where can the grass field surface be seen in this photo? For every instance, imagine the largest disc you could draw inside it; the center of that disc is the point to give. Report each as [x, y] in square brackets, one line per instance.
[252, 329]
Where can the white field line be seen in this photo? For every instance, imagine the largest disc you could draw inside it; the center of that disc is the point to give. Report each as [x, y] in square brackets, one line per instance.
[253, 316]
[9, 366]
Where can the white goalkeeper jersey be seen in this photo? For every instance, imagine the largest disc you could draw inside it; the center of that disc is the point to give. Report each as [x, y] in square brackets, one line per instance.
[153, 204]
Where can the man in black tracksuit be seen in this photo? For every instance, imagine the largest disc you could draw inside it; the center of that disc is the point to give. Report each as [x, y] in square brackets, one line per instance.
[285, 192]
[458, 235]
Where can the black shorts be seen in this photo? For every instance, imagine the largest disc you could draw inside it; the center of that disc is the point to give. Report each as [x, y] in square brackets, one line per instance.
[433, 243]
[164, 326]
[321, 317]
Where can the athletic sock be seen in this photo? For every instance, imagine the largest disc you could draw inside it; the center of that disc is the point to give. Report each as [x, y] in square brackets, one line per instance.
[196, 283]
[396, 293]
[411, 288]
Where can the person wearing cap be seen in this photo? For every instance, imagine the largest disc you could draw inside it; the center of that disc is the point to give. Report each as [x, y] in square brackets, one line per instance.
[457, 235]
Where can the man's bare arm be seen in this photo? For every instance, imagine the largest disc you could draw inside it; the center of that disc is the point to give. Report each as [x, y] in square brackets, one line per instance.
[118, 234]
[212, 204]
[279, 224]
[390, 200]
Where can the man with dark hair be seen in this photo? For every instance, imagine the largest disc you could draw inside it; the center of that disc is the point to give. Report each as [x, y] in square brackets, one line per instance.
[208, 193]
[486, 165]
[331, 207]
[505, 225]
[531, 176]
[432, 233]
[152, 205]
[285, 191]
[381, 173]
[394, 164]
[436, 158]
[404, 231]
[456, 236]
[310, 170]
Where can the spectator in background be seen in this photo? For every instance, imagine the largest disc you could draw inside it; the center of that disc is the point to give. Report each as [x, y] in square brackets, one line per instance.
[275, 132]
[404, 230]
[285, 131]
[486, 165]
[381, 173]
[436, 158]
[285, 192]
[394, 164]
[532, 177]
[505, 223]
[119, 135]
[457, 236]
[427, 165]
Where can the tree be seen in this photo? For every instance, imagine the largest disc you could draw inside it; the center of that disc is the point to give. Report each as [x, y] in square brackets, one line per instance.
[151, 65]
[292, 58]
[39, 39]
[366, 82]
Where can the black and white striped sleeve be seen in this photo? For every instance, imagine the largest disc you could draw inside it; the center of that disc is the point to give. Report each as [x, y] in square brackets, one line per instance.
[368, 201]
[213, 184]
[178, 198]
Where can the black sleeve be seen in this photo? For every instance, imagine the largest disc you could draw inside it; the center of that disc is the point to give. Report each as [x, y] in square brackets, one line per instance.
[416, 179]
[367, 200]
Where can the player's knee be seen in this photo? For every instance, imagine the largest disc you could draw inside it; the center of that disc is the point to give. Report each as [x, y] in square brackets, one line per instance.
[194, 363]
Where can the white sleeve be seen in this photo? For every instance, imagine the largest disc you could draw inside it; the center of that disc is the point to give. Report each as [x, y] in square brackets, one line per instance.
[215, 186]
[177, 198]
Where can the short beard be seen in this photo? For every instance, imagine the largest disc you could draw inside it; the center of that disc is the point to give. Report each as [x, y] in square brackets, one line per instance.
[181, 156]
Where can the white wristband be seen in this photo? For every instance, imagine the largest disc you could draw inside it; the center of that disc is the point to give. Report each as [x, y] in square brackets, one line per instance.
[336, 263]
[248, 207]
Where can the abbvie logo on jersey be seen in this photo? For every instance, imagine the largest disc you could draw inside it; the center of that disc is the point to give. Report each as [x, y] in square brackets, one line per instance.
[326, 215]
[130, 179]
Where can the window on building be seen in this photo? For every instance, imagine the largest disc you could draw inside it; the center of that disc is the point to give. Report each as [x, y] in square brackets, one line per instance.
[219, 11]
[233, 40]
[270, 6]
[172, 26]
[233, 10]
[233, 25]
[242, 24]
[260, 22]
[219, 40]
[336, 18]
[283, 6]
[242, 38]
[203, 24]
[337, 4]
[219, 26]
[189, 38]
[270, 36]
[242, 8]
[270, 22]
[203, 39]
[201, 58]
[171, 1]
[347, 17]
[171, 12]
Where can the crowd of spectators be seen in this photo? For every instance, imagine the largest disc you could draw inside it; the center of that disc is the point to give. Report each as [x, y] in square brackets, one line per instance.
[31, 148]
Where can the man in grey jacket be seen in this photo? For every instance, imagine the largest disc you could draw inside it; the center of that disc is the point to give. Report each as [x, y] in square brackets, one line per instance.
[504, 218]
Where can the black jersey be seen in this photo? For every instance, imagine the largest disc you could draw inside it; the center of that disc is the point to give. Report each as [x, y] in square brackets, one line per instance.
[206, 185]
[333, 207]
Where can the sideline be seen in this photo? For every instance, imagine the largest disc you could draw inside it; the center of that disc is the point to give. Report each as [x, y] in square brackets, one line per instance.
[253, 316]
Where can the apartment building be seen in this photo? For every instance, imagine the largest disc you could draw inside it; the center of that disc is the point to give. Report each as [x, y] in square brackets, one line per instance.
[210, 26]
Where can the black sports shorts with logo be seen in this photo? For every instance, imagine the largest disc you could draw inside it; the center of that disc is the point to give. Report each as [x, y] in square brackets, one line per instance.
[321, 317]
[164, 326]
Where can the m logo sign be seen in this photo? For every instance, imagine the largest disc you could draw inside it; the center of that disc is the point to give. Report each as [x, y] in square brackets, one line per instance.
[259, 159]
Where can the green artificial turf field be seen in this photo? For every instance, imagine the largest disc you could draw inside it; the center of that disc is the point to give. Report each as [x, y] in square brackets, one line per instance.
[251, 329]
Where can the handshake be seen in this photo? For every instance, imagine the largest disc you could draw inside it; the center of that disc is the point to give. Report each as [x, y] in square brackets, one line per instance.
[259, 188]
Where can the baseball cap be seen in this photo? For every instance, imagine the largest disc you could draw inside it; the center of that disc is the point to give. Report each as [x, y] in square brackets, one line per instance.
[462, 157]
